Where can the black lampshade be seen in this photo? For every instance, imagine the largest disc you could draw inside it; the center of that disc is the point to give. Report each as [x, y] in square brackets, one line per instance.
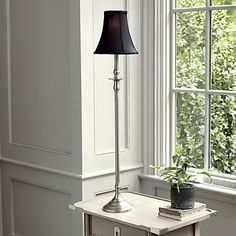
[115, 38]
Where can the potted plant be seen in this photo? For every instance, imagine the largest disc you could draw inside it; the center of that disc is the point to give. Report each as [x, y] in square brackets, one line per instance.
[182, 192]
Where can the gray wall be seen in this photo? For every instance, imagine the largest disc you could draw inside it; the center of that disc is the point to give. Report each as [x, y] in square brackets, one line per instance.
[56, 112]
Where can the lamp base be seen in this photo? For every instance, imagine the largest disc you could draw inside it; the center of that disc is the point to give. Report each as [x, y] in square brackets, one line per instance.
[117, 205]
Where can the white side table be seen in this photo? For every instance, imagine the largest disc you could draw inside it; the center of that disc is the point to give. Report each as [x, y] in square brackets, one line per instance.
[143, 220]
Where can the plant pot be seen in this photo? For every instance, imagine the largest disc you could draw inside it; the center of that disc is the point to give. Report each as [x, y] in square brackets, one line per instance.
[184, 199]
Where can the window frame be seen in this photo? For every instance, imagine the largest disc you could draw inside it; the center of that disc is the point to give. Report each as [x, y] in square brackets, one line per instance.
[164, 85]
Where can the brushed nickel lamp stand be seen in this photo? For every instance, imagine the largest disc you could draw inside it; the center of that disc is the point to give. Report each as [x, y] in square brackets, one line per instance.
[116, 39]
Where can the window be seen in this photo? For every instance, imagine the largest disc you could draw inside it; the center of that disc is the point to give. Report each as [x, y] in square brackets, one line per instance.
[204, 82]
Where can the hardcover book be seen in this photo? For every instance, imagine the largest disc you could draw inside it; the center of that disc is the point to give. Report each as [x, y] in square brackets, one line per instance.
[181, 214]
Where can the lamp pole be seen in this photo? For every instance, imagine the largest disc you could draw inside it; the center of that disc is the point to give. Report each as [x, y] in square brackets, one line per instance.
[116, 87]
[117, 204]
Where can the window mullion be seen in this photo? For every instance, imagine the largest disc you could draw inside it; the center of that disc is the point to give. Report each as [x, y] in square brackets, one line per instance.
[207, 88]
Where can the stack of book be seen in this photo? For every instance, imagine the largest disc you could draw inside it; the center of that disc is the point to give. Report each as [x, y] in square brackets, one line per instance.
[179, 214]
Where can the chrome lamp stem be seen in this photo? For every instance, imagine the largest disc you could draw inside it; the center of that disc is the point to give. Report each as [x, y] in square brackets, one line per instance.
[117, 204]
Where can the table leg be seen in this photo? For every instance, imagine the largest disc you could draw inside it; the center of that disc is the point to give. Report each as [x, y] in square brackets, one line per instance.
[197, 229]
[86, 225]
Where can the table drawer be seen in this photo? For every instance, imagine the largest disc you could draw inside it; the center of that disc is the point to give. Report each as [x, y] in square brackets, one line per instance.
[101, 227]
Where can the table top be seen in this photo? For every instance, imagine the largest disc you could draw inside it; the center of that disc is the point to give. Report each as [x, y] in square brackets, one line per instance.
[144, 214]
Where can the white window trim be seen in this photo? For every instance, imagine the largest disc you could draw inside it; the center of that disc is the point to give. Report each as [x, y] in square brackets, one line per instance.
[164, 42]
[148, 90]
[156, 87]
[158, 120]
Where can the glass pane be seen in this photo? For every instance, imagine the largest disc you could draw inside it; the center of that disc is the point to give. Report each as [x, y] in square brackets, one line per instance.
[190, 3]
[190, 49]
[223, 133]
[224, 50]
[190, 126]
[223, 2]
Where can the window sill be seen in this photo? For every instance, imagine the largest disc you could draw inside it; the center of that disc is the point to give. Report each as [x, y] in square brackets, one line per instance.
[210, 191]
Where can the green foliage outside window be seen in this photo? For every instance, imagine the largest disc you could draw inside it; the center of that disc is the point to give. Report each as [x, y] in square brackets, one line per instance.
[190, 68]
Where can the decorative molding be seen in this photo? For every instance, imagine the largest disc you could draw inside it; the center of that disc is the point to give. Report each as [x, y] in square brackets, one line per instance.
[70, 174]
[108, 191]
[38, 148]
[110, 172]
[8, 26]
[111, 152]
[39, 167]
[25, 181]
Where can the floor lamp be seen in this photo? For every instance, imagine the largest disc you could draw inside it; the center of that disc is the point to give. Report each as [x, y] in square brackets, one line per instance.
[115, 40]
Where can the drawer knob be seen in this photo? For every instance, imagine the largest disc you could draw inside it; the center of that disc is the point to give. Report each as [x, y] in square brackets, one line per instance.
[117, 231]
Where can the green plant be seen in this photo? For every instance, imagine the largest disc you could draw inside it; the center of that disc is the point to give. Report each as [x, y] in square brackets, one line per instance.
[178, 175]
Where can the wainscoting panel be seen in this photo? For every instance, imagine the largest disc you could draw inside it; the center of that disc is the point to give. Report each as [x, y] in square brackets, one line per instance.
[37, 203]
[40, 205]
[97, 90]
[39, 78]
[39, 64]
